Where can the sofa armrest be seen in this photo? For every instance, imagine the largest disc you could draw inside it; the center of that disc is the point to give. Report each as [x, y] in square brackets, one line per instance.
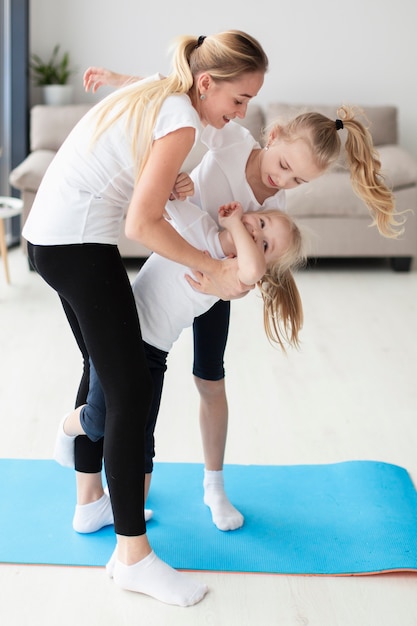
[50, 125]
[28, 174]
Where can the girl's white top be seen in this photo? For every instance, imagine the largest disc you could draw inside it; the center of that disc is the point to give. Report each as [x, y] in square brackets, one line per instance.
[221, 176]
[86, 190]
[165, 301]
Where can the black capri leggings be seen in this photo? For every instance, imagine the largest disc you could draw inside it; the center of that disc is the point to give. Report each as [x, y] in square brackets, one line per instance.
[210, 336]
[97, 297]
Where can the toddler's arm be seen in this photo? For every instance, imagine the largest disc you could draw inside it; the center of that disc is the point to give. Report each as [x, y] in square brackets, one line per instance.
[250, 258]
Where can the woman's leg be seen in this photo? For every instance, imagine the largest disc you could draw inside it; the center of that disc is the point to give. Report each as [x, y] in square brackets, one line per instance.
[210, 337]
[92, 280]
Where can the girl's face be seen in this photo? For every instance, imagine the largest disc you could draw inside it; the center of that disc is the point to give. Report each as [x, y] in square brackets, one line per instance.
[270, 233]
[285, 164]
[225, 100]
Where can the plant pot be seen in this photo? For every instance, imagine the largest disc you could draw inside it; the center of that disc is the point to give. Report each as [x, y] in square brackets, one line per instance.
[57, 94]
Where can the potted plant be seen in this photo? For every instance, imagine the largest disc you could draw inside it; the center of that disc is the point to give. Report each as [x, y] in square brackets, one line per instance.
[53, 76]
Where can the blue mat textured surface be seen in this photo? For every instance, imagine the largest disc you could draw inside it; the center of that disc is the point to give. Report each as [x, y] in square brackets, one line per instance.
[355, 517]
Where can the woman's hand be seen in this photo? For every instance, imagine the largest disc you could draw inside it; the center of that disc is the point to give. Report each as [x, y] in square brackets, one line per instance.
[221, 281]
[96, 77]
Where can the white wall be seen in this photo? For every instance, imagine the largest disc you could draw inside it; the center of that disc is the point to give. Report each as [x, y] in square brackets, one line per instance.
[358, 52]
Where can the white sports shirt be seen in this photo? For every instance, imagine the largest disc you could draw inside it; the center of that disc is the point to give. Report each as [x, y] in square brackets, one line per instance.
[87, 188]
[221, 176]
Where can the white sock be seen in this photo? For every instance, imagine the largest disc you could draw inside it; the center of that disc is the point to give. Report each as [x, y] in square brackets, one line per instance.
[88, 518]
[224, 515]
[157, 579]
[64, 446]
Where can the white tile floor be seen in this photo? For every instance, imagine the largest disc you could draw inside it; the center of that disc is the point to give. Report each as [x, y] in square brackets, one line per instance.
[349, 393]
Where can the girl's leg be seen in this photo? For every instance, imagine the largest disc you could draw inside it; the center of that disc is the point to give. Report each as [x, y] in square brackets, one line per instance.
[92, 280]
[213, 421]
[93, 509]
[210, 337]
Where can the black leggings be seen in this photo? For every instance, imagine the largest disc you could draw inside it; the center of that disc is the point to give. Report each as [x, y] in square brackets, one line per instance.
[210, 336]
[97, 297]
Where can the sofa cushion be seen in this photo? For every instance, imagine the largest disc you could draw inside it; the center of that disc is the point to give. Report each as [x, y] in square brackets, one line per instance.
[330, 195]
[28, 175]
[50, 125]
[399, 167]
[381, 120]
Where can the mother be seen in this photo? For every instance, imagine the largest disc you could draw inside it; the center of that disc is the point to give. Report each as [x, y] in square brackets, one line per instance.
[127, 152]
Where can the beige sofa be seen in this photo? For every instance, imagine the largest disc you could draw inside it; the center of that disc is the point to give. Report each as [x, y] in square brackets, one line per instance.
[338, 221]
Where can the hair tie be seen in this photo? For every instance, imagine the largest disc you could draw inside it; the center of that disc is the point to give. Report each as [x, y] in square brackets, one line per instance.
[339, 124]
[200, 40]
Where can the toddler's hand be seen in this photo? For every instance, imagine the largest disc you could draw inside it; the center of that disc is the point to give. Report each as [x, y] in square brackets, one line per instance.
[230, 211]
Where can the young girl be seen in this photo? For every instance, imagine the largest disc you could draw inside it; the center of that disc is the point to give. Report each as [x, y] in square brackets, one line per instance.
[237, 168]
[125, 154]
[266, 246]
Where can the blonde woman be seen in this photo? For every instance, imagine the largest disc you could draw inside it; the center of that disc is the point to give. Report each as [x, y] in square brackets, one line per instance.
[125, 154]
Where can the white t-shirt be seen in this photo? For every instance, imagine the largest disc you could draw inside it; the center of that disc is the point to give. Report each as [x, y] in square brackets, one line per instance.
[220, 177]
[165, 301]
[87, 188]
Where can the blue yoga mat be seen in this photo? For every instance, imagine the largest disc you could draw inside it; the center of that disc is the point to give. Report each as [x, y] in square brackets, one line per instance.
[355, 517]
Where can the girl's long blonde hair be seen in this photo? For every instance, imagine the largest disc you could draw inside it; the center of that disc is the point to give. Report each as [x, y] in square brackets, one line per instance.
[321, 133]
[283, 309]
[225, 56]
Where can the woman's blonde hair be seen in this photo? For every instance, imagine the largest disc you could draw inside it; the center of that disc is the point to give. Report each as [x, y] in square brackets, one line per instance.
[321, 133]
[225, 56]
[283, 310]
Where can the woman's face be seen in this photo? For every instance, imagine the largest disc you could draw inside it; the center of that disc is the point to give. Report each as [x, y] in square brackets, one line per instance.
[224, 100]
[287, 164]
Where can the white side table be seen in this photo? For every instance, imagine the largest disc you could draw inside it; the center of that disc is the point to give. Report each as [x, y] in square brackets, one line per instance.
[9, 207]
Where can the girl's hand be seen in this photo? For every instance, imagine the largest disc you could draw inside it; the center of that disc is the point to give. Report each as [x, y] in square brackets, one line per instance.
[222, 281]
[183, 187]
[96, 77]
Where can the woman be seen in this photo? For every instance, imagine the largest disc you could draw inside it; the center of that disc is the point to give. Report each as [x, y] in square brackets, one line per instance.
[126, 154]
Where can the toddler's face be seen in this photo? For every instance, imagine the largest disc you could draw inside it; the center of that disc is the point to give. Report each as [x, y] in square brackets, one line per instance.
[270, 233]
